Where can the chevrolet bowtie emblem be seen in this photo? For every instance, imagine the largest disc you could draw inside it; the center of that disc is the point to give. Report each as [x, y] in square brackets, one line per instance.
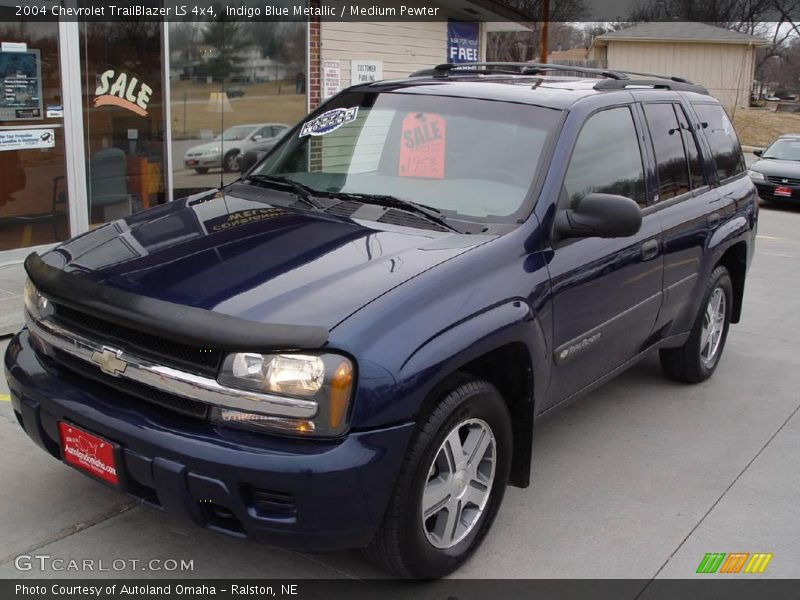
[109, 361]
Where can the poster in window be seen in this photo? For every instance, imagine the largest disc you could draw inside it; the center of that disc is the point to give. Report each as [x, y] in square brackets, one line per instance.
[463, 42]
[20, 86]
[422, 146]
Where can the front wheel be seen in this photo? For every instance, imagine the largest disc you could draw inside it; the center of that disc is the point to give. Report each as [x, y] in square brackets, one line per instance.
[231, 161]
[450, 486]
[698, 358]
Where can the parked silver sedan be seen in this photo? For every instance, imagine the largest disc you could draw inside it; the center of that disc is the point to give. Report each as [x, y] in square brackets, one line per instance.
[225, 150]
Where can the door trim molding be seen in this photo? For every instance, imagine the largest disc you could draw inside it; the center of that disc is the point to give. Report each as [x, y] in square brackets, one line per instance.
[586, 341]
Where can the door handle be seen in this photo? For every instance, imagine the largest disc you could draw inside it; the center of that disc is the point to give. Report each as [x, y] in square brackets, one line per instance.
[713, 220]
[649, 249]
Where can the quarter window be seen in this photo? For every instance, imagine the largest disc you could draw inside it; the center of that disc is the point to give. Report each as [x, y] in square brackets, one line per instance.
[607, 158]
[665, 131]
[722, 139]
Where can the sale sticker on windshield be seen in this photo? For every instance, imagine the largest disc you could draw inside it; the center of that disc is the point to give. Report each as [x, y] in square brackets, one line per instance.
[422, 146]
[329, 121]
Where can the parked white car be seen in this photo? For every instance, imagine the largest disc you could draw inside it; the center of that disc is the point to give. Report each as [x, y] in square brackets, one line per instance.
[224, 151]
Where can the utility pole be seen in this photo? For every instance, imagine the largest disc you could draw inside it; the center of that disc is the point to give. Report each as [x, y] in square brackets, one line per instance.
[545, 24]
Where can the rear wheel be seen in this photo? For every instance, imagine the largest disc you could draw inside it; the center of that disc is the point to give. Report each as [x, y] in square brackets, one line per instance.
[698, 358]
[450, 486]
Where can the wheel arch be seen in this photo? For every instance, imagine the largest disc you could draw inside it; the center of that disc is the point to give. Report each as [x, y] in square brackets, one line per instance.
[504, 346]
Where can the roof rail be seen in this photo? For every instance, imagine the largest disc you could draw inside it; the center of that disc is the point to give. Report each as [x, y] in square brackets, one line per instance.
[657, 83]
[613, 78]
[512, 68]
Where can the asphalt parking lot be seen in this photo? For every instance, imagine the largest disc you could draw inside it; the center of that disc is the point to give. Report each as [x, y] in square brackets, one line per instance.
[638, 480]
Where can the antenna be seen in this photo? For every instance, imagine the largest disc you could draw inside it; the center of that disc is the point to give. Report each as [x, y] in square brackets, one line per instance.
[222, 113]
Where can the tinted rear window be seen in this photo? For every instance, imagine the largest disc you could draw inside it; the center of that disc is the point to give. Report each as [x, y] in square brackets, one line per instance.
[722, 138]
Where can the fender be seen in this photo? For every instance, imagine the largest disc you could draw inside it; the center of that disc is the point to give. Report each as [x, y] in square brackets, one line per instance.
[733, 231]
[450, 350]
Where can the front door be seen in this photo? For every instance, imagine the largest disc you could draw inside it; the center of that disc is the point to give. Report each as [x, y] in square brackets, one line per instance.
[606, 292]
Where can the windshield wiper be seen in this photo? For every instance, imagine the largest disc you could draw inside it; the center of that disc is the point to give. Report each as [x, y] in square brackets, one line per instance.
[431, 214]
[303, 192]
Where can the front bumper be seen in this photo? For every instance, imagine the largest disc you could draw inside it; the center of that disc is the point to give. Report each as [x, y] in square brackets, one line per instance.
[766, 191]
[208, 162]
[300, 494]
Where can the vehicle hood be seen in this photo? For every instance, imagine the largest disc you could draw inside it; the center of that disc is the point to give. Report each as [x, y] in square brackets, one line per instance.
[778, 168]
[253, 259]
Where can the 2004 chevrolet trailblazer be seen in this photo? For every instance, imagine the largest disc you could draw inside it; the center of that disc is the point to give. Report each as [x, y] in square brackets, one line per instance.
[348, 347]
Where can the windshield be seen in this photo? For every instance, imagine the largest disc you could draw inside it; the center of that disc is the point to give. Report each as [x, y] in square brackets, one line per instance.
[468, 158]
[237, 133]
[783, 150]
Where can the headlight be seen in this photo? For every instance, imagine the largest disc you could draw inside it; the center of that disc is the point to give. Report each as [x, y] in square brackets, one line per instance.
[755, 175]
[36, 304]
[212, 151]
[325, 378]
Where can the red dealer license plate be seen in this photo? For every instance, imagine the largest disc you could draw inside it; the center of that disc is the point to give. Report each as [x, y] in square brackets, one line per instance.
[783, 191]
[88, 453]
[192, 162]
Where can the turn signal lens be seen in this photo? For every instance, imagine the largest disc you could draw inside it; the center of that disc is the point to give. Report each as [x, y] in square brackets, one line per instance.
[340, 394]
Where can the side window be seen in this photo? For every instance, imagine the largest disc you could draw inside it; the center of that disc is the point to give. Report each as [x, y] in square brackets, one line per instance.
[264, 132]
[696, 172]
[722, 139]
[607, 158]
[665, 131]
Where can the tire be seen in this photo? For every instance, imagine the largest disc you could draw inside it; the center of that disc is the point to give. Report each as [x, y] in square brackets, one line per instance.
[694, 362]
[405, 544]
[230, 163]
[202, 170]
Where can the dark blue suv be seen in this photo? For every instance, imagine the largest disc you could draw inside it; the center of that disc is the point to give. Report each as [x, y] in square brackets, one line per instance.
[348, 347]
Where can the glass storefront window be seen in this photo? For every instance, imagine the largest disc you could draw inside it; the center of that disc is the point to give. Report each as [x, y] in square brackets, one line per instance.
[33, 198]
[235, 88]
[123, 112]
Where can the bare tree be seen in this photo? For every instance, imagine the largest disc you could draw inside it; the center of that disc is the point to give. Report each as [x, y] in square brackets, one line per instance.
[521, 46]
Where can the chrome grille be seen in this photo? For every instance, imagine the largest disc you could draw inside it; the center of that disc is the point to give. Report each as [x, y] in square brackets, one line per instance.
[783, 180]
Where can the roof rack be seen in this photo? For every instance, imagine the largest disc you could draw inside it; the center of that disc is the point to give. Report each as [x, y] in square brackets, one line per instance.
[511, 68]
[612, 78]
[657, 83]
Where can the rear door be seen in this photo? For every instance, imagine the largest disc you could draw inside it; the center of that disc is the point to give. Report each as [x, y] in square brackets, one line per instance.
[606, 292]
[694, 199]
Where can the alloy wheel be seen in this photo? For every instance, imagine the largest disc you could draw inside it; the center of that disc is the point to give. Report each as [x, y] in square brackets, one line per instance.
[713, 327]
[459, 483]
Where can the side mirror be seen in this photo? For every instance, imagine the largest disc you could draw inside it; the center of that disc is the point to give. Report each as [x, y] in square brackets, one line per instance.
[758, 152]
[599, 215]
[258, 138]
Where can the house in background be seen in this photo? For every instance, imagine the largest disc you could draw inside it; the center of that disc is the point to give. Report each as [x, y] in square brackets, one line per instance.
[568, 56]
[720, 59]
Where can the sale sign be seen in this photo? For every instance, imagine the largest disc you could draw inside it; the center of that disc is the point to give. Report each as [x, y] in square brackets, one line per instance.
[422, 146]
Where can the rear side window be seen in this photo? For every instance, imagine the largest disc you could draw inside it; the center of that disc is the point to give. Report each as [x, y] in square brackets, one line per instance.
[665, 131]
[722, 138]
[607, 158]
